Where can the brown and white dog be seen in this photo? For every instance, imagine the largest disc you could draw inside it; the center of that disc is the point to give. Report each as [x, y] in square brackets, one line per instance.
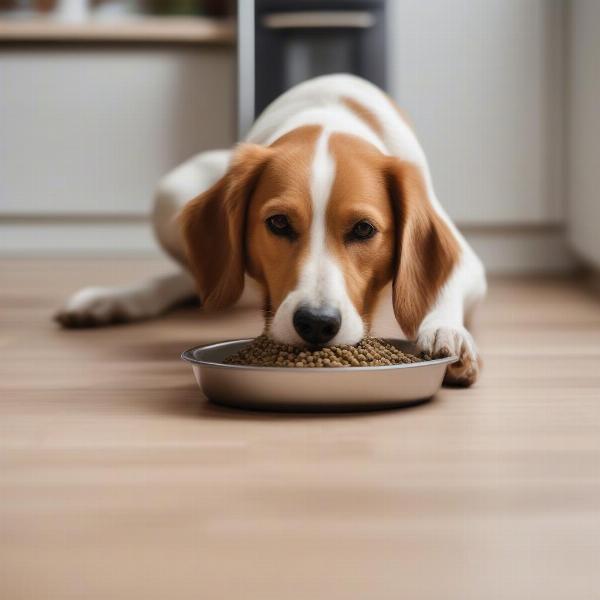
[327, 201]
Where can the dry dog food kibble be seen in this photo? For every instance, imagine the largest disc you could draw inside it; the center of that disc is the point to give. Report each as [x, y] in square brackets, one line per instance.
[370, 352]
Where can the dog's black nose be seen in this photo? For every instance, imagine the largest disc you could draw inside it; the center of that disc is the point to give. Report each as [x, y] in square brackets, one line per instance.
[317, 325]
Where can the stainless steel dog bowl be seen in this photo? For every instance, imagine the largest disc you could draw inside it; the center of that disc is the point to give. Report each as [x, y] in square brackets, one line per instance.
[340, 388]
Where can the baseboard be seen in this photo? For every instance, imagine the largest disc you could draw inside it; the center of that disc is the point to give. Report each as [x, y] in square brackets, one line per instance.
[522, 249]
[77, 237]
[505, 249]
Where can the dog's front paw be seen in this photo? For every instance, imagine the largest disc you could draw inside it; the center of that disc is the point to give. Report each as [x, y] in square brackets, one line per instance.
[439, 342]
[95, 306]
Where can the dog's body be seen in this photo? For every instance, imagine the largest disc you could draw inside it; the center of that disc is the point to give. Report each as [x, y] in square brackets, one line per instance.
[329, 200]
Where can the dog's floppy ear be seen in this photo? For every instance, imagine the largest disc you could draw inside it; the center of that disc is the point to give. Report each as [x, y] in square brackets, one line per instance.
[426, 248]
[213, 226]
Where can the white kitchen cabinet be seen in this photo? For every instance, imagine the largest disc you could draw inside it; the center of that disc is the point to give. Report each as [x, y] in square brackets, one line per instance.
[483, 82]
[88, 129]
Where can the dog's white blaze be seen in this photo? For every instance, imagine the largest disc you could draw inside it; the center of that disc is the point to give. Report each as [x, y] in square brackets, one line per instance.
[321, 281]
[314, 274]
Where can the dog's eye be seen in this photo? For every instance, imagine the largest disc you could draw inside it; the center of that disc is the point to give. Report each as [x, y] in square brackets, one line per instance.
[280, 225]
[363, 230]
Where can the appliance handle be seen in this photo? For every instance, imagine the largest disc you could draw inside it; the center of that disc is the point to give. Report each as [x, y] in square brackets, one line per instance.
[337, 19]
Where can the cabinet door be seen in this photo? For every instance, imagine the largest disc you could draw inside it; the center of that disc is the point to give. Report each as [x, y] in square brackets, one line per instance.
[483, 82]
[89, 129]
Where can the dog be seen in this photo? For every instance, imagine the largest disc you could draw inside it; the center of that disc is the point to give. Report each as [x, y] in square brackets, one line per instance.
[327, 201]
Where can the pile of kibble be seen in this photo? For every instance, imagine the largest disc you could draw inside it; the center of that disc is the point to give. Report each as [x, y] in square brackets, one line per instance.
[370, 352]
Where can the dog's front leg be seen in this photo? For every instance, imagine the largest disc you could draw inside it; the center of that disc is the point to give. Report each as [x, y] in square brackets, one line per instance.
[94, 306]
[443, 332]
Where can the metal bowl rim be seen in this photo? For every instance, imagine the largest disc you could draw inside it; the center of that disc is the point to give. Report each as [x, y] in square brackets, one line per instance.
[188, 356]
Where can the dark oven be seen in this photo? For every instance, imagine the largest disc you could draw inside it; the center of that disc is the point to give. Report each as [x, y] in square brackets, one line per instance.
[284, 42]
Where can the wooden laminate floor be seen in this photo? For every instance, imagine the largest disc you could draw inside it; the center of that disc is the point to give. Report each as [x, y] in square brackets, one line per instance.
[117, 480]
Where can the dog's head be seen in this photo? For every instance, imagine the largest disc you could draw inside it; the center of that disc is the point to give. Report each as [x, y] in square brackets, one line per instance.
[323, 223]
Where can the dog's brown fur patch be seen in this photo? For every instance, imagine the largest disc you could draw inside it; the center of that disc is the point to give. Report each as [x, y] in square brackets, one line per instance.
[284, 188]
[364, 114]
[426, 249]
[359, 192]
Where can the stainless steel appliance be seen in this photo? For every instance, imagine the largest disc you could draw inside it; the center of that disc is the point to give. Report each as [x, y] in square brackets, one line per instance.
[284, 42]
